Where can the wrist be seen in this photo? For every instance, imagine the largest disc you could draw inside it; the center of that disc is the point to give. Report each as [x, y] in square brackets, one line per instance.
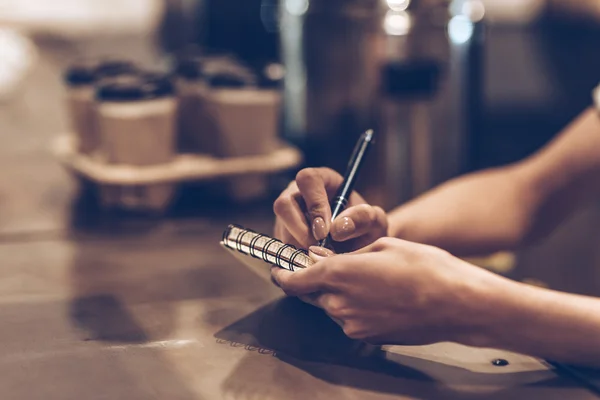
[539, 322]
[388, 229]
[492, 311]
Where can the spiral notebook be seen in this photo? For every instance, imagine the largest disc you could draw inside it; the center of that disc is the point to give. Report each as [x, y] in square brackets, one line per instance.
[259, 252]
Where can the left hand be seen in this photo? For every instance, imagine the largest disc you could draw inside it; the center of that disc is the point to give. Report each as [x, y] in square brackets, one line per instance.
[399, 292]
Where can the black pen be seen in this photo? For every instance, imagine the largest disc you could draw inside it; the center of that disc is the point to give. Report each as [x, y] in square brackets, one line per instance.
[342, 196]
[577, 376]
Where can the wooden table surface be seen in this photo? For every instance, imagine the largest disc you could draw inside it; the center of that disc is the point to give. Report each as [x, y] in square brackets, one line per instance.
[160, 311]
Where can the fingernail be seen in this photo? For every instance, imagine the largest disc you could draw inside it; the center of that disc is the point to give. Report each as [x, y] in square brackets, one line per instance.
[319, 229]
[318, 253]
[343, 228]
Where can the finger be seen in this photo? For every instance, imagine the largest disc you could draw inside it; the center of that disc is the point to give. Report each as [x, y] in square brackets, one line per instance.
[332, 181]
[301, 282]
[313, 190]
[317, 187]
[288, 210]
[320, 300]
[327, 302]
[317, 253]
[311, 299]
[359, 221]
[274, 281]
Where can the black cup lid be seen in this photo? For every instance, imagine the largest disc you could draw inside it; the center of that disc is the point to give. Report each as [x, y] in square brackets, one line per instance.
[224, 80]
[193, 65]
[144, 86]
[231, 75]
[158, 84]
[190, 68]
[114, 68]
[80, 75]
[268, 83]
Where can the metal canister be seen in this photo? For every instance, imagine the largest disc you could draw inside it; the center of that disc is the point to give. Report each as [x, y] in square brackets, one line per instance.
[331, 56]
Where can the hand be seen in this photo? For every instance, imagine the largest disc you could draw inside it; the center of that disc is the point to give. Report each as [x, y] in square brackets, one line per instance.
[304, 214]
[397, 292]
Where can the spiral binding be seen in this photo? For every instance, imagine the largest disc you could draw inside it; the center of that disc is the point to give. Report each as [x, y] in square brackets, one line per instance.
[264, 254]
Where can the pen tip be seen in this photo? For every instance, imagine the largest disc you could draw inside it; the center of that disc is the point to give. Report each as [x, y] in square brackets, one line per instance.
[369, 135]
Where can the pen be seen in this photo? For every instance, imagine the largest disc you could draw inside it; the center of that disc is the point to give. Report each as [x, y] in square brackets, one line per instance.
[340, 201]
[576, 376]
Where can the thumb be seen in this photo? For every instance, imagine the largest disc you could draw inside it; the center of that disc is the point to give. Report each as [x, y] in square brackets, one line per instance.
[299, 282]
[360, 220]
[318, 253]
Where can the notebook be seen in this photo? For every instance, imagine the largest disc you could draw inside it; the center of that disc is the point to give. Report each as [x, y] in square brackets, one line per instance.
[259, 251]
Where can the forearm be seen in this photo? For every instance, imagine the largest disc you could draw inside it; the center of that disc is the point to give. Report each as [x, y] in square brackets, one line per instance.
[471, 215]
[547, 324]
[507, 207]
[565, 174]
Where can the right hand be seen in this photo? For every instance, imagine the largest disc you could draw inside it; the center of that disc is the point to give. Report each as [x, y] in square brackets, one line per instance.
[304, 214]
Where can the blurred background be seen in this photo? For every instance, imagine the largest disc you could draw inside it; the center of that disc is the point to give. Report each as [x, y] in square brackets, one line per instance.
[133, 114]
[463, 84]
[493, 81]
[133, 131]
[136, 114]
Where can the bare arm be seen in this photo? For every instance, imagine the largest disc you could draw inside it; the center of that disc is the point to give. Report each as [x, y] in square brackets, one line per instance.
[548, 324]
[506, 207]
[417, 294]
